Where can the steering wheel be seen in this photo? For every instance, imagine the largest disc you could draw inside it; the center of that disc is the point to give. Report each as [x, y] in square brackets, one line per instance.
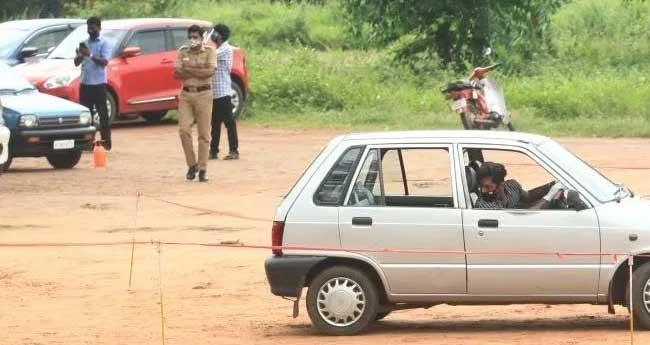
[559, 202]
[361, 193]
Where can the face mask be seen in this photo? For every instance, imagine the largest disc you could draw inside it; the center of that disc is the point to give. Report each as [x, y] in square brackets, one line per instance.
[491, 196]
[93, 35]
[195, 43]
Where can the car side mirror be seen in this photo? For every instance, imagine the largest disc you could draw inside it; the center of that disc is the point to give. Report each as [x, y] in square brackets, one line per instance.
[27, 52]
[131, 52]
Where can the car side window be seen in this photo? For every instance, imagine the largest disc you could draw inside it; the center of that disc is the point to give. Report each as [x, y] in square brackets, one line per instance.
[333, 188]
[179, 38]
[149, 42]
[527, 181]
[404, 177]
[44, 41]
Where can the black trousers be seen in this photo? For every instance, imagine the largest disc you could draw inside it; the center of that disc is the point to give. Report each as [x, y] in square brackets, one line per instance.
[222, 113]
[93, 97]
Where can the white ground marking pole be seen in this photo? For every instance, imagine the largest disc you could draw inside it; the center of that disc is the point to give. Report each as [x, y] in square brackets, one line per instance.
[135, 228]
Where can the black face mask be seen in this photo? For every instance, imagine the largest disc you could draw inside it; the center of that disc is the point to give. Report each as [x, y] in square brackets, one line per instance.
[489, 196]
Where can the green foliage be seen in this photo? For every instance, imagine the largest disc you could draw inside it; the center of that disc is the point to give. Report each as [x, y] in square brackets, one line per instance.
[458, 31]
[263, 24]
[113, 9]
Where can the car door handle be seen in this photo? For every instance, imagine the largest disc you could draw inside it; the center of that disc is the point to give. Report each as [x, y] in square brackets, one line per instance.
[488, 223]
[362, 221]
[166, 62]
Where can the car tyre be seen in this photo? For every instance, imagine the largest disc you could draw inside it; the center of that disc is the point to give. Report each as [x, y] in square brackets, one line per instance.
[238, 100]
[64, 160]
[6, 165]
[382, 315]
[641, 300]
[342, 300]
[111, 104]
[154, 116]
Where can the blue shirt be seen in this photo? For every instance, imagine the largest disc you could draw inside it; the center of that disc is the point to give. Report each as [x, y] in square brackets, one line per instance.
[92, 73]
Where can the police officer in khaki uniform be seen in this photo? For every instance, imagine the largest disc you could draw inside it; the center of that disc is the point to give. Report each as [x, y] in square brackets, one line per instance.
[194, 67]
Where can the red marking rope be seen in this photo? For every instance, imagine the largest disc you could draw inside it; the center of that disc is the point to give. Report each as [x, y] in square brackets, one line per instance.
[205, 210]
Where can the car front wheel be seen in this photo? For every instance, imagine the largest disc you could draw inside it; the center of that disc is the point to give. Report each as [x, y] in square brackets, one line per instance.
[641, 296]
[64, 160]
[342, 301]
[238, 100]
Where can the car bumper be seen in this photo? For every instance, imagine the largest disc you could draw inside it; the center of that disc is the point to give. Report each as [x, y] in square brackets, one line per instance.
[40, 142]
[4, 144]
[287, 274]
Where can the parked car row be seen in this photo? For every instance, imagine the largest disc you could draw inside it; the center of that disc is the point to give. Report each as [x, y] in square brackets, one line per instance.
[140, 81]
[41, 125]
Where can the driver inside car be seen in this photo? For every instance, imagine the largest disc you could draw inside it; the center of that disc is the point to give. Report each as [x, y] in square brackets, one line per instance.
[498, 193]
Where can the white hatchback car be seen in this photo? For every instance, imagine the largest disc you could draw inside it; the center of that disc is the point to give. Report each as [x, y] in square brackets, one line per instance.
[416, 193]
[4, 139]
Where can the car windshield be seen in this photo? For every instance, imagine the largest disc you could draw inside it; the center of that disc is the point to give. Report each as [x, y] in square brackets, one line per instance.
[66, 49]
[591, 179]
[12, 81]
[10, 39]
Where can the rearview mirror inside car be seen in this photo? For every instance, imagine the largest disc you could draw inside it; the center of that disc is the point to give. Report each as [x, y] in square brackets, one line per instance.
[131, 52]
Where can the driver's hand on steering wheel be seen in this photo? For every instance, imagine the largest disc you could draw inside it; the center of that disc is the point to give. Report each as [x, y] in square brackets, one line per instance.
[555, 191]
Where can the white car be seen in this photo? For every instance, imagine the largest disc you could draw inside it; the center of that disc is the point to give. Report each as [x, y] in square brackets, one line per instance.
[4, 139]
[429, 198]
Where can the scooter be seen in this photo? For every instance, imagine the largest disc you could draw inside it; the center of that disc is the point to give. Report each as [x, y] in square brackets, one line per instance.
[479, 101]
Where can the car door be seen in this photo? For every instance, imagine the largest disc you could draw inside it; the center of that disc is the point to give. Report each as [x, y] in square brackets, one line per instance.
[145, 78]
[404, 198]
[519, 252]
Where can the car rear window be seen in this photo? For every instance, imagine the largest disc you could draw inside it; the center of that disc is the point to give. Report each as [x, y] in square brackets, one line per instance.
[333, 188]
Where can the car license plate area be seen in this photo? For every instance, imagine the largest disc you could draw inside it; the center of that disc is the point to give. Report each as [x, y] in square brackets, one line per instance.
[460, 104]
[63, 144]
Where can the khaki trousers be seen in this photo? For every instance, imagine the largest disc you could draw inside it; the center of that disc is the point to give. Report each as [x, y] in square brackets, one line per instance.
[195, 107]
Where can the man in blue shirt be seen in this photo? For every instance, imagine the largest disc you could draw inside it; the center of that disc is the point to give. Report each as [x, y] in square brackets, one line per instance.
[93, 55]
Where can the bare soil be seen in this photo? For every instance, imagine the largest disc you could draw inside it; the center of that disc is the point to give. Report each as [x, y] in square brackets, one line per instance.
[220, 296]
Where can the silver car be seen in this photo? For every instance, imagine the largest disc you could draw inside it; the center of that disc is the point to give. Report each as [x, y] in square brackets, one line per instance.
[387, 221]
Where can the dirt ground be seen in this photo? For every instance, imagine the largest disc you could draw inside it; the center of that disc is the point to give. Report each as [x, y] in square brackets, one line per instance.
[219, 296]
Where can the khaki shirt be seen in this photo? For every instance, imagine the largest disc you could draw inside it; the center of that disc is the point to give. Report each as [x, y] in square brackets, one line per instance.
[203, 61]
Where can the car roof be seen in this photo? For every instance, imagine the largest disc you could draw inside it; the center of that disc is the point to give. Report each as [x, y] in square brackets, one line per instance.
[143, 23]
[34, 24]
[456, 135]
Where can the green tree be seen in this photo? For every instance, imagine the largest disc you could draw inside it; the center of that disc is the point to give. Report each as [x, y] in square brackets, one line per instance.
[458, 31]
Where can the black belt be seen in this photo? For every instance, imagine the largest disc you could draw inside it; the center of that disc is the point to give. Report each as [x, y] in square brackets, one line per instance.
[196, 88]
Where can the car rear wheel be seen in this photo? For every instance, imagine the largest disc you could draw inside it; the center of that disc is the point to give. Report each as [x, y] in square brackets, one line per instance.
[238, 100]
[382, 315]
[64, 160]
[6, 165]
[155, 116]
[342, 301]
[641, 296]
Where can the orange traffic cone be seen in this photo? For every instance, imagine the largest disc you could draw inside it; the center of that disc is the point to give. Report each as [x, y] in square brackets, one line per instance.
[99, 155]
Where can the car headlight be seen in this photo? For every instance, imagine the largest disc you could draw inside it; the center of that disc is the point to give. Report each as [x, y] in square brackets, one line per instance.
[28, 121]
[62, 79]
[85, 118]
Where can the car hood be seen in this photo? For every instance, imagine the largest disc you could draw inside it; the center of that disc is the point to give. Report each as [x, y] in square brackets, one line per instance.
[40, 71]
[43, 105]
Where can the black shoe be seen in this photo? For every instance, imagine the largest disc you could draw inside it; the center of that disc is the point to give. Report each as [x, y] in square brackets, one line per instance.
[108, 145]
[214, 155]
[231, 156]
[191, 172]
[203, 176]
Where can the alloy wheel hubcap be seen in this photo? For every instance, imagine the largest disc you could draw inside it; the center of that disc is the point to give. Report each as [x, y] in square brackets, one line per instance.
[341, 302]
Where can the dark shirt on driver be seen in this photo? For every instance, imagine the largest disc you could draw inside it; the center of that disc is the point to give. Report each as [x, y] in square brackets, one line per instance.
[513, 195]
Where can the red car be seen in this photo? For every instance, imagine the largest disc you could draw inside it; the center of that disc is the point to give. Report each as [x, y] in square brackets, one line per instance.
[140, 74]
